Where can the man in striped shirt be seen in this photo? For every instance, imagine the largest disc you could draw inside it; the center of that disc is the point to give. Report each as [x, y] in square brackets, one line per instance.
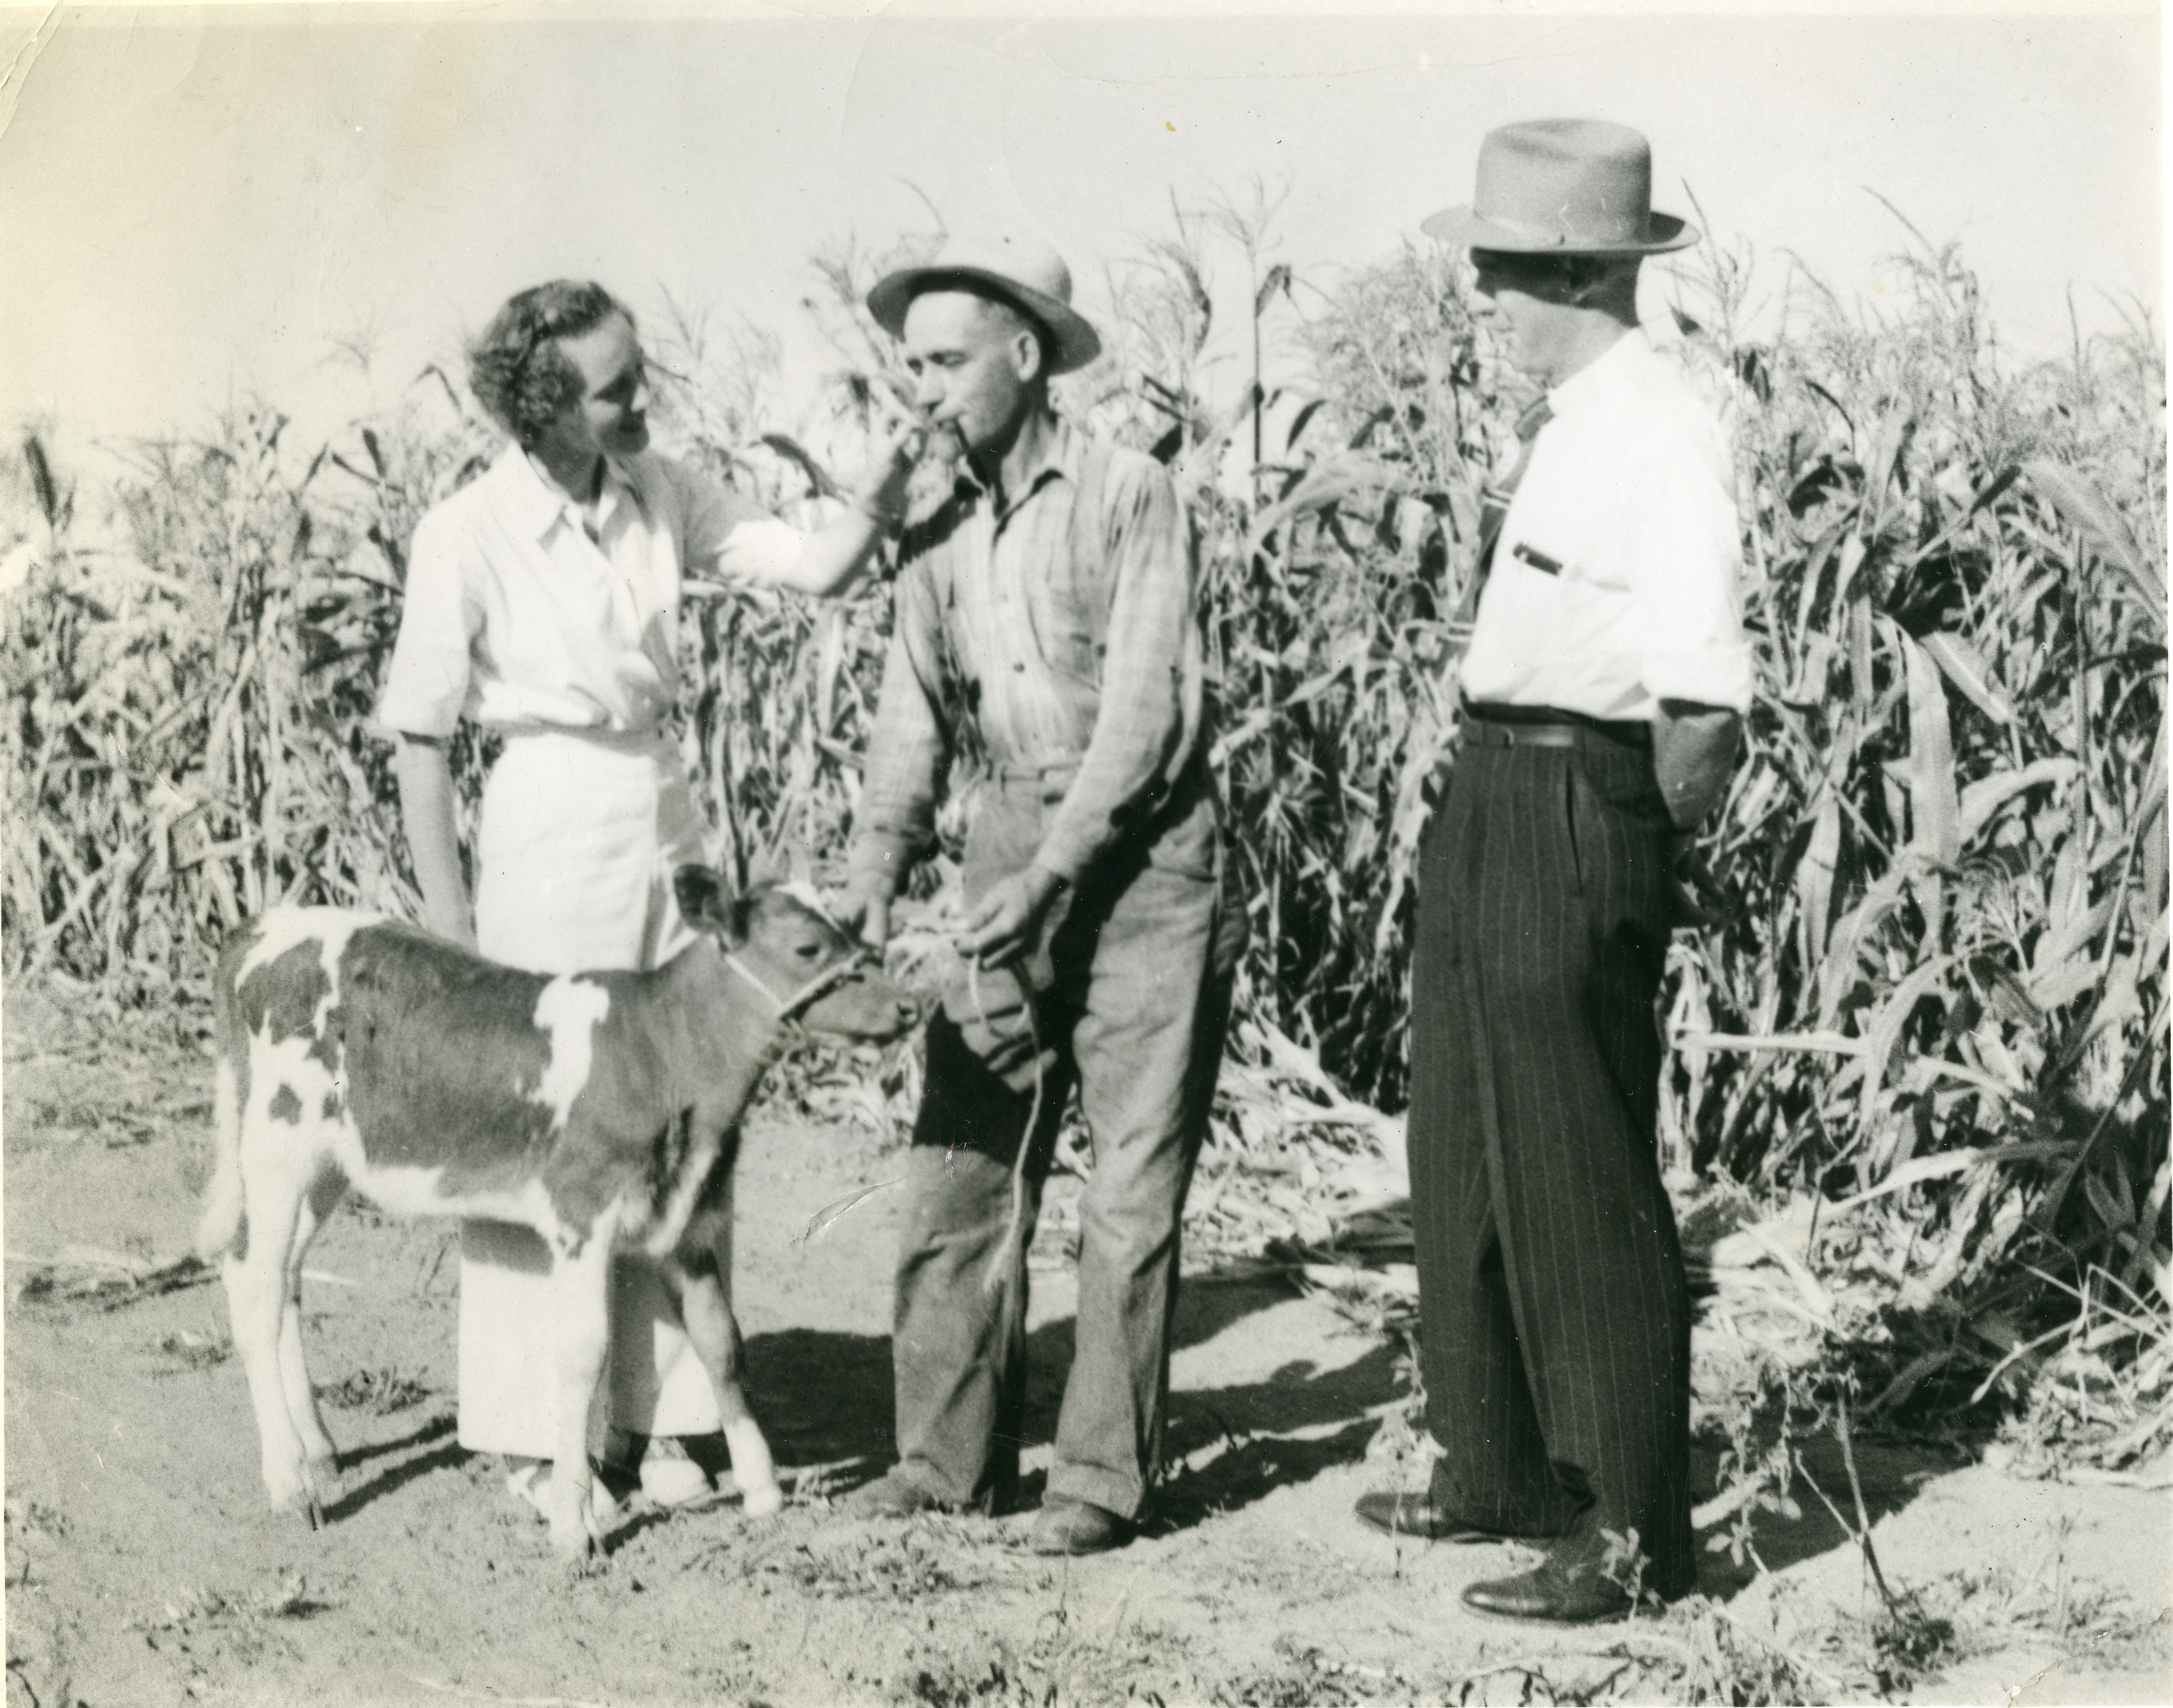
[1045, 659]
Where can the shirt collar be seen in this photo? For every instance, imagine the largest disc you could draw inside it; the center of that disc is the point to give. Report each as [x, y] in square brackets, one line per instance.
[534, 505]
[1063, 448]
[1616, 367]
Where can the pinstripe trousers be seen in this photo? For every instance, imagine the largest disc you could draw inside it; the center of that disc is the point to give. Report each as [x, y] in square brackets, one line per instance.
[1555, 1316]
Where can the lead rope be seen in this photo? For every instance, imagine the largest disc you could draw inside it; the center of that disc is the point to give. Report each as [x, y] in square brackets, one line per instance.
[1012, 1255]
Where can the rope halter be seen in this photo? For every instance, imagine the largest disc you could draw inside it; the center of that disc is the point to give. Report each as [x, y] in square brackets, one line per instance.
[787, 1010]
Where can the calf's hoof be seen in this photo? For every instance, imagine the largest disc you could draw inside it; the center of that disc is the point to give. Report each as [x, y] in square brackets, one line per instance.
[304, 1507]
[763, 1500]
[295, 1493]
[753, 1469]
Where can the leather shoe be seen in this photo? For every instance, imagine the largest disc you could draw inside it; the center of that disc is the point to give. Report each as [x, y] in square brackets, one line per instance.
[1400, 1513]
[1554, 1592]
[1078, 1527]
[892, 1495]
[669, 1476]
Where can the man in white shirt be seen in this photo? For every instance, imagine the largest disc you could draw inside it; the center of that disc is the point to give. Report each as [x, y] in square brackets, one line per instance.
[1605, 681]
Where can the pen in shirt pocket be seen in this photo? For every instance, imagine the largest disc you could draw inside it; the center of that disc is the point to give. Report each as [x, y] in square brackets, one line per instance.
[1537, 559]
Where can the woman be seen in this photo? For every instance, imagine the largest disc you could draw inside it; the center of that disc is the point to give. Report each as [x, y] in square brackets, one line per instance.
[542, 602]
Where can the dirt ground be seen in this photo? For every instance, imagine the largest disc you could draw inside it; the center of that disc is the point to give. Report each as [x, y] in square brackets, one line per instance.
[140, 1568]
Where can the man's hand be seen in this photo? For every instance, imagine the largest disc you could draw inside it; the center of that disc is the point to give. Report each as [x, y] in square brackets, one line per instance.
[1694, 749]
[1002, 927]
[864, 908]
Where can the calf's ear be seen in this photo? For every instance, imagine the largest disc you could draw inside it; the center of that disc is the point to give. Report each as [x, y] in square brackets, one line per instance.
[704, 901]
[768, 865]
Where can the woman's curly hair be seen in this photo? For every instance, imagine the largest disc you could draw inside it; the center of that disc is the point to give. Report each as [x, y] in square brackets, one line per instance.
[519, 373]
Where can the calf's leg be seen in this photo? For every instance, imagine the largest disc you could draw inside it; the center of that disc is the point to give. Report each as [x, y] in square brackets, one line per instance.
[581, 1293]
[701, 1274]
[274, 1186]
[318, 1202]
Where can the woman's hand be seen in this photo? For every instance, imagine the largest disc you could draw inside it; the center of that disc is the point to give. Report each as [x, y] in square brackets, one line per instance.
[899, 441]
[830, 561]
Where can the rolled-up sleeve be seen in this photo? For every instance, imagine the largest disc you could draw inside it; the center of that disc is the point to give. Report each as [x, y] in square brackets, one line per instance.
[730, 535]
[426, 686]
[908, 756]
[1149, 716]
[1686, 558]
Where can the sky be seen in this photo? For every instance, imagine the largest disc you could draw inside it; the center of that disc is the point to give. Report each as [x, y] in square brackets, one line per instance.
[195, 204]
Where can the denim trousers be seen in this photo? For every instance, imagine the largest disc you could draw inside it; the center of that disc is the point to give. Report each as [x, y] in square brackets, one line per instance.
[1128, 984]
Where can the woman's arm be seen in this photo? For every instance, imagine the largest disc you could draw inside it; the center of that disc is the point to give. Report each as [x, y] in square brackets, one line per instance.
[831, 561]
[424, 768]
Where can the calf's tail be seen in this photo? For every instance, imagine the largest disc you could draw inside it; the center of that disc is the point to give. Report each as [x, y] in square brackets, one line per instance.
[223, 1228]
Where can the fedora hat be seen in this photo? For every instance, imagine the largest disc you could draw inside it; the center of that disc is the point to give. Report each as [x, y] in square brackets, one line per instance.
[1563, 187]
[1030, 276]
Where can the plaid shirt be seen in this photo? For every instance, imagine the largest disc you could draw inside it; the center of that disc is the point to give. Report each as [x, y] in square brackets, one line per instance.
[1014, 654]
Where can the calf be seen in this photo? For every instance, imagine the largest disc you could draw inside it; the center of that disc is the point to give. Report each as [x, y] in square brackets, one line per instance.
[600, 1109]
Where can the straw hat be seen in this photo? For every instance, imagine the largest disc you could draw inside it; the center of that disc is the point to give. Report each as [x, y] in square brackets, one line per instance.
[1030, 276]
[1563, 187]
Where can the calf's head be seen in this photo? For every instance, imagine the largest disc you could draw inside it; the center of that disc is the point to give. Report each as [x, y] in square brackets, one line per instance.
[812, 969]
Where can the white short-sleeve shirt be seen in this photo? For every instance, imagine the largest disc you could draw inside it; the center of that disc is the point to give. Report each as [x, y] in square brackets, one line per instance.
[515, 618]
[1614, 580]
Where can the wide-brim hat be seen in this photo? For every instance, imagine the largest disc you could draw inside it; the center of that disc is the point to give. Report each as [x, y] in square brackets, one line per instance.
[1563, 187]
[1028, 275]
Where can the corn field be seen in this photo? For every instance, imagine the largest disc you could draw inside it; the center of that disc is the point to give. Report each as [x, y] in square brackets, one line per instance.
[1928, 1005]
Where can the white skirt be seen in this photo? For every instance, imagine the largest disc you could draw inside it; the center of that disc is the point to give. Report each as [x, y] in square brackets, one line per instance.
[580, 835]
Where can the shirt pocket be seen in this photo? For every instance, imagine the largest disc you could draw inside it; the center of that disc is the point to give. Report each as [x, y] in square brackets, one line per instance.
[1061, 608]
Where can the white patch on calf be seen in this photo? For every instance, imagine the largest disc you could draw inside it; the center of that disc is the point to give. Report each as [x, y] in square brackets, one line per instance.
[411, 1189]
[284, 929]
[567, 1012]
[281, 1156]
[287, 1066]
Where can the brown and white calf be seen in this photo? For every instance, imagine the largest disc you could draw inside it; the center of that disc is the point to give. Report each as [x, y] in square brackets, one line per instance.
[600, 1109]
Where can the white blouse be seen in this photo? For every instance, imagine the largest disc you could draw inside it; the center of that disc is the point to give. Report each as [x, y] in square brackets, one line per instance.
[515, 618]
[1613, 584]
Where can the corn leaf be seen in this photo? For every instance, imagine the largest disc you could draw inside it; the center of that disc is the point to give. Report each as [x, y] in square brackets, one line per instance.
[1965, 667]
[1980, 801]
[1935, 806]
[2084, 509]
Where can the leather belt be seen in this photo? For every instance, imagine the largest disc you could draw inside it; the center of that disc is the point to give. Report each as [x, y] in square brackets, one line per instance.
[1484, 734]
[1557, 730]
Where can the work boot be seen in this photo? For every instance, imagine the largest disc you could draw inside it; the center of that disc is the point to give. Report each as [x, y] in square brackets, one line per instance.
[893, 1495]
[1078, 1527]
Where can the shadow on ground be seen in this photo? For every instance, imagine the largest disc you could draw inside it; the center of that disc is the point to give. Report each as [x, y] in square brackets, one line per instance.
[1891, 1474]
[825, 1400]
[405, 1463]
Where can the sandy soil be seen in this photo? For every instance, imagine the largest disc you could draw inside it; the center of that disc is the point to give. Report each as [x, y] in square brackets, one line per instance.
[141, 1569]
